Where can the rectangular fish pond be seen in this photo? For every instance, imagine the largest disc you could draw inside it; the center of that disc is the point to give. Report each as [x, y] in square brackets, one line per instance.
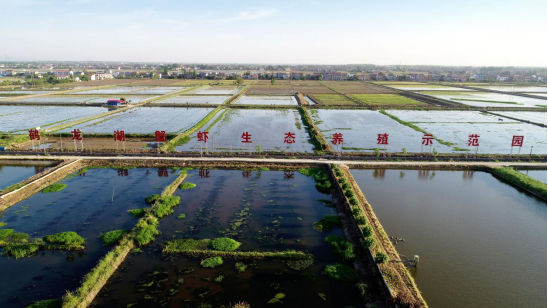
[144, 120]
[12, 174]
[94, 201]
[82, 99]
[263, 212]
[481, 242]
[266, 127]
[196, 99]
[487, 99]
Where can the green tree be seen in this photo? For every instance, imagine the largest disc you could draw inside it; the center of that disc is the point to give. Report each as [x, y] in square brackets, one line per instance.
[272, 81]
[239, 80]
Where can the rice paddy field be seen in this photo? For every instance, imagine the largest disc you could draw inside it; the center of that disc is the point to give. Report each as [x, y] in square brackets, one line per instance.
[94, 201]
[357, 87]
[262, 210]
[386, 100]
[267, 129]
[333, 100]
[19, 119]
[524, 89]
[487, 99]
[266, 100]
[310, 87]
[360, 129]
[196, 99]
[495, 136]
[144, 120]
[467, 227]
[535, 117]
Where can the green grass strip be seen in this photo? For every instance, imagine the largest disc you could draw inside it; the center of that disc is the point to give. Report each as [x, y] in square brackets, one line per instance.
[522, 180]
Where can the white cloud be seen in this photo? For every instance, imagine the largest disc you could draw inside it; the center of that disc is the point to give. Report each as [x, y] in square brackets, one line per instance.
[247, 15]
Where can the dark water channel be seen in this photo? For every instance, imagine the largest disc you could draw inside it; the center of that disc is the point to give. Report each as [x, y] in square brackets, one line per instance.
[481, 242]
[89, 205]
[10, 175]
[282, 207]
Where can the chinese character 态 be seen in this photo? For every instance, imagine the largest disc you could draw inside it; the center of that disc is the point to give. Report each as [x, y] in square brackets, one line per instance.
[203, 136]
[119, 135]
[34, 134]
[337, 138]
[473, 140]
[289, 137]
[246, 137]
[160, 136]
[76, 135]
[427, 139]
[382, 139]
[517, 141]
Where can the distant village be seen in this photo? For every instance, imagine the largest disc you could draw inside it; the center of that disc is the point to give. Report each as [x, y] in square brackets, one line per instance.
[79, 71]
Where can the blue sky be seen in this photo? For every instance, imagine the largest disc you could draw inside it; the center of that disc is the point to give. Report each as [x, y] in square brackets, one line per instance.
[324, 32]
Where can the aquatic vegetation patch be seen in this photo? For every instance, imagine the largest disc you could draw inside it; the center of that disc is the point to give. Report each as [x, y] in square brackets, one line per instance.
[137, 212]
[113, 237]
[3, 224]
[240, 267]
[327, 223]
[187, 185]
[146, 234]
[181, 216]
[341, 272]
[65, 238]
[323, 184]
[152, 199]
[48, 303]
[277, 298]
[300, 265]
[54, 188]
[212, 262]
[224, 244]
[185, 245]
[164, 205]
[341, 248]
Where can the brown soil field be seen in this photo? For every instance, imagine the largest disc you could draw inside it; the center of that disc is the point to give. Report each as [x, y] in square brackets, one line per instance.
[155, 82]
[94, 143]
[210, 82]
[277, 82]
[270, 90]
[358, 87]
[312, 89]
[96, 83]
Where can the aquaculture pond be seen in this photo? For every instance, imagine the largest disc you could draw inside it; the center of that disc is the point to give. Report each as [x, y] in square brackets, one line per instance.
[539, 175]
[216, 90]
[10, 175]
[267, 129]
[360, 130]
[514, 89]
[494, 136]
[114, 90]
[535, 117]
[158, 90]
[481, 242]
[487, 99]
[205, 99]
[145, 120]
[74, 99]
[92, 203]
[265, 211]
[22, 118]
[266, 100]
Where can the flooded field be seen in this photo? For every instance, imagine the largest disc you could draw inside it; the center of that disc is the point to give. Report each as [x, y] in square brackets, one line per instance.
[487, 99]
[145, 120]
[426, 87]
[535, 117]
[266, 127]
[115, 90]
[74, 99]
[482, 248]
[91, 204]
[158, 90]
[514, 88]
[24, 92]
[10, 175]
[265, 211]
[266, 100]
[360, 129]
[216, 90]
[206, 99]
[22, 118]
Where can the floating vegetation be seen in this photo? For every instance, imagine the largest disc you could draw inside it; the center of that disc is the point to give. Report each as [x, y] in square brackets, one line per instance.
[326, 202]
[300, 265]
[277, 298]
[327, 223]
[165, 205]
[54, 188]
[181, 216]
[152, 199]
[219, 278]
[341, 248]
[65, 238]
[240, 267]
[48, 303]
[113, 237]
[3, 224]
[224, 244]
[322, 296]
[341, 272]
[137, 212]
[146, 231]
[212, 262]
[22, 210]
[187, 185]
[323, 184]
[238, 224]
[185, 245]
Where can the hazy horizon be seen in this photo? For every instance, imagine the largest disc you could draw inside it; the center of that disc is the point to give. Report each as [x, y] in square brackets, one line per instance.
[467, 33]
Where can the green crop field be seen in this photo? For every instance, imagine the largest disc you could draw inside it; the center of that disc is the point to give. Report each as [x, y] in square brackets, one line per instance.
[332, 99]
[386, 99]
